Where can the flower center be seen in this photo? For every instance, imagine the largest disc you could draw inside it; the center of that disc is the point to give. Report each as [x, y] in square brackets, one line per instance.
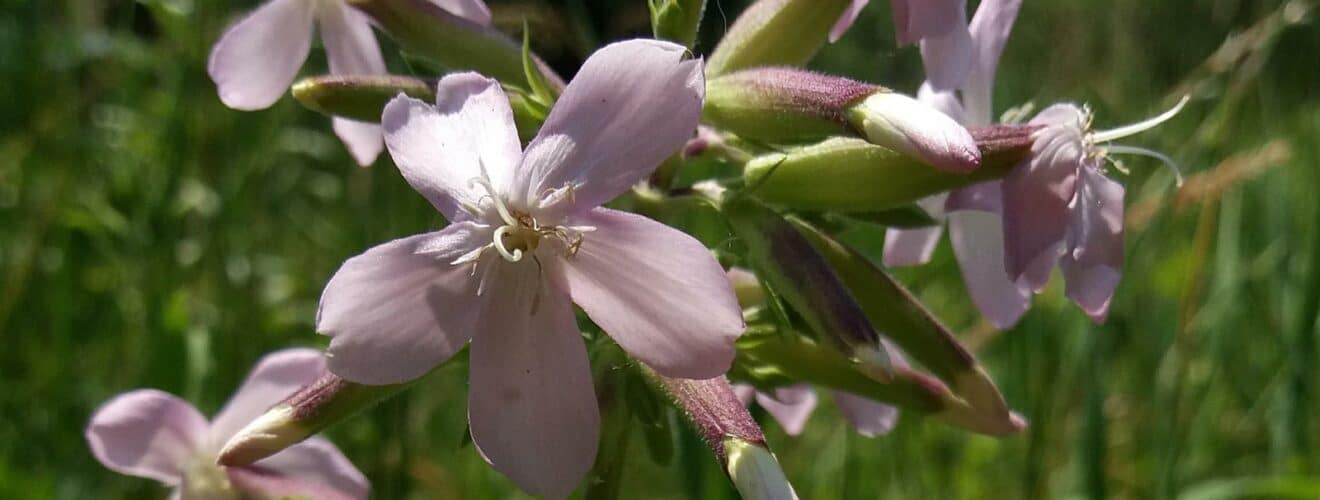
[521, 234]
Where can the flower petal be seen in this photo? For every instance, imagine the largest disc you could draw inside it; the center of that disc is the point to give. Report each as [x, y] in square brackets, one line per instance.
[256, 59]
[946, 101]
[949, 57]
[790, 405]
[1093, 267]
[918, 19]
[531, 407]
[147, 433]
[440, 148]
[869, 418]
[990, 28]
[316, 461]
[977, 239]
[910, 247]
[1037, 194]
[350, 46]
[847, 19]
[658, 292]
[394, 314]
[275, 377]
[631, 105]
[362, 139]
[352, 50]
[472, 10]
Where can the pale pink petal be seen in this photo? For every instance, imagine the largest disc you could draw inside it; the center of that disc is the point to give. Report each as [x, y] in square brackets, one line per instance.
[1092, 268]
[363, 140]
[472, 10]
[745, 393]
[352, 50]
[990, 28]
[918, 19]
[631, 105]
[350, 46]
[1037, 273]
[658, 292]
[977, 239]
[256, 59]
[531, 408]
[986, 196]
[440, 148]
[275, 377]
[456, 240]
[394, 314]
[316, 461]
[910, 247]
[946, 101]
[869, 418]
[147, 433]
[948, 57]
[846, 20]
[790, 405]
[1036, 197]
[258, 482]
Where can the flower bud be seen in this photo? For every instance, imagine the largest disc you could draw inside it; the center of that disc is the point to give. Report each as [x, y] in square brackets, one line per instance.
[907, 322]
[314, 407]
[755, 472]
[851, 175]
[776, 32]
[423, 28]
[781, 105]
[358, 97]
[803, 278]
[906, 125]
[677, 20]
[787, 105]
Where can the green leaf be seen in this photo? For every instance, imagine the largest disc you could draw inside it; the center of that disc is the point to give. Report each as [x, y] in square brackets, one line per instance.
[542, 92]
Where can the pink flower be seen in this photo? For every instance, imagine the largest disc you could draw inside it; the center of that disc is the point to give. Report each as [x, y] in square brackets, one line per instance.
[527, 239]
[257, 58]
[1057, 206]
[153, 434]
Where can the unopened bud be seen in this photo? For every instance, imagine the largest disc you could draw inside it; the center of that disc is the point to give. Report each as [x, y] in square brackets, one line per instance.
[852, 175]
[904, 124]
[314, 407]
[802, 277]
[782, 105]
[776, 32]
[358, 97]
[677, 20]
[455, 41]
[755, 472]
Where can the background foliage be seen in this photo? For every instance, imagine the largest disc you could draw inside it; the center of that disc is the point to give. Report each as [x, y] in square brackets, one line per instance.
[150, 237]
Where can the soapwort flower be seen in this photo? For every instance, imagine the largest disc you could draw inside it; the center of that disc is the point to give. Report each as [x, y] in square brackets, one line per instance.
[1057, 206]
[257, 58]
[153, 434]
[527, 239]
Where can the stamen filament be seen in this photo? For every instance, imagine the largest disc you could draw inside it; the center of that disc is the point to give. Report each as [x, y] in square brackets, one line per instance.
[1141, 126]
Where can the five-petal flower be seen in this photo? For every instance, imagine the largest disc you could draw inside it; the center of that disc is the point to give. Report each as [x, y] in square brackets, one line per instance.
[528, 238]
[153, 434]
[256, 59]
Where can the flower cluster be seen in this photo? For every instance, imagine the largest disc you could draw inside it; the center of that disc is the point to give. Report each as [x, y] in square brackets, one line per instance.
[522, 167]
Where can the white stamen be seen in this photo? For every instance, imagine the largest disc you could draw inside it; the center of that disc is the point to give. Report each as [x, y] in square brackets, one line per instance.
[1141, 126]
[514, 256]
[1134, 150]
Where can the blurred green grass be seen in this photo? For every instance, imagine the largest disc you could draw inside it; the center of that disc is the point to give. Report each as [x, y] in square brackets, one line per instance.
[150, 237]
